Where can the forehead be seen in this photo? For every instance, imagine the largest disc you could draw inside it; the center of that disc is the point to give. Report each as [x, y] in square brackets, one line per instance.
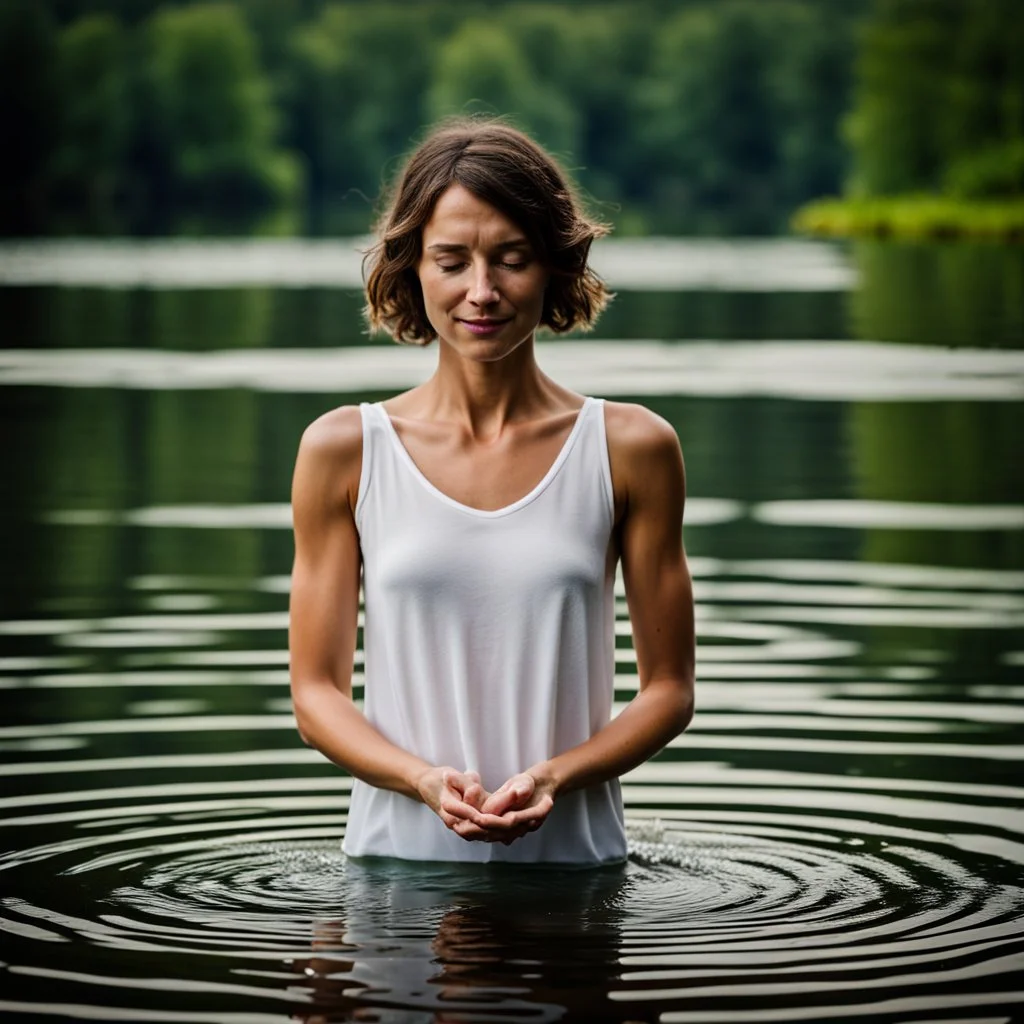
[460, 216]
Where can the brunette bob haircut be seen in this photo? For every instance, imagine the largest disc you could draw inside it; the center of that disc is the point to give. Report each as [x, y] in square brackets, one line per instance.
[508, 170]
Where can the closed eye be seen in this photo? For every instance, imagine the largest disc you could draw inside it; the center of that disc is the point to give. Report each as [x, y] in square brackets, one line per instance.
[452, 268]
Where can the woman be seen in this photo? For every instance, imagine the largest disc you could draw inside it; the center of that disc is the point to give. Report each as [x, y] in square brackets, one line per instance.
[486, 511]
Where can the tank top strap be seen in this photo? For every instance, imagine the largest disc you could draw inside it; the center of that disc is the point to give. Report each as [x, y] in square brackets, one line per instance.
[375, 445]
[581, 469]
[599, 434]
[587, 472]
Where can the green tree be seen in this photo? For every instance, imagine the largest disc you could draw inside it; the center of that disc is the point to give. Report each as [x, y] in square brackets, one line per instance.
[903, 59]
[692, 114]
[812, 82]
[591, 59]
[938, 82]
[480, 68]
[353, 89]
[711, 121]
[984, 140]
[210, 125]
[95, 114]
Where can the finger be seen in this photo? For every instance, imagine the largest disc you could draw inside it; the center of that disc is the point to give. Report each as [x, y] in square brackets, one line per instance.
[459, 808]
[457, 824]
[457, 781]
[497, 822]
[475, 794]
[467, 785]
[514, 816]
[473, 833]
[507, 824]
[449, 820]
[498, 802]
[513, 793]
[534, 815]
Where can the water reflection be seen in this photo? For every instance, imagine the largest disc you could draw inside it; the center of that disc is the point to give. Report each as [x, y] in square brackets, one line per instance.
[839, 833]
[940, 294]
[742, 909]
[458, 945]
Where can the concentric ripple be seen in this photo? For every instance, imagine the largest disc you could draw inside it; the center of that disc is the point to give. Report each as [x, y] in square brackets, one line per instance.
[793, 911]
[838, 836]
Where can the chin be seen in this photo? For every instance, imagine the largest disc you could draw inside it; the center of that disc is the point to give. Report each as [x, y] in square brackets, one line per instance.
[494, 351]
[488, 350]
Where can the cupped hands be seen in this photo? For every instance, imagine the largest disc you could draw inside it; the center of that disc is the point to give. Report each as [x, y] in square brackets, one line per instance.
[517, 807]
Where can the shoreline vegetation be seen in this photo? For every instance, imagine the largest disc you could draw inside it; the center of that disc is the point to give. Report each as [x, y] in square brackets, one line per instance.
[151, 118]
[913, 217]
[156, 117]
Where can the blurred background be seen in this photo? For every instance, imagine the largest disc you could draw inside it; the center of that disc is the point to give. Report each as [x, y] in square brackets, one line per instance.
[285, 116]
[818, 210]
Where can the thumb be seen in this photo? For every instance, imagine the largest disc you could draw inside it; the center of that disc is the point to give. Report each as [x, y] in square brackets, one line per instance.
[473, 792]
[514, 793]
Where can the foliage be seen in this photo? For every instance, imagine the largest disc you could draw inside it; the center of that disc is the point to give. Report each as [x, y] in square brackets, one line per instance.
[476, 67]
[937, 80]
[208, 108]
[994, 171]
[597, 114]
[94, 125]
[673, 116]
[913, 216]
[709, 65]
[353, 94]
[937, 125]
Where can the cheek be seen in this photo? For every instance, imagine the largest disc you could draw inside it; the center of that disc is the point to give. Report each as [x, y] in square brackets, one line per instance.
[434, 289]
[534, 293]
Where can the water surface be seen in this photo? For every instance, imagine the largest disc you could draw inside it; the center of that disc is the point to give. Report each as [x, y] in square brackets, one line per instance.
[839, 835]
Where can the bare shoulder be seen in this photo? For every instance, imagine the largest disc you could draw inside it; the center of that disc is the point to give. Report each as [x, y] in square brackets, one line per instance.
[330, 458]
[632, 424]
[645, 456]
[638, 431]
[336, 435]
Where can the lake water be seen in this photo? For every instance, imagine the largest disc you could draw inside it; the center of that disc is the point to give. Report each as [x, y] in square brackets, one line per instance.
[838, 836]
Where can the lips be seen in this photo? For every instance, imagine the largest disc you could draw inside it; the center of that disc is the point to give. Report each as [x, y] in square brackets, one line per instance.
[483, 327]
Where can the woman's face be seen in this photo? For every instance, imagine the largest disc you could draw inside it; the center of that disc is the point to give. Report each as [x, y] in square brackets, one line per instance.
[483, 285]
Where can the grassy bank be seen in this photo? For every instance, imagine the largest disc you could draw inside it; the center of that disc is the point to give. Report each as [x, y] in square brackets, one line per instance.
[926, 216]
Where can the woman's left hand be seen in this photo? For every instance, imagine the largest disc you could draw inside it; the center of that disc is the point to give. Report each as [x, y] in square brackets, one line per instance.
[517, 807]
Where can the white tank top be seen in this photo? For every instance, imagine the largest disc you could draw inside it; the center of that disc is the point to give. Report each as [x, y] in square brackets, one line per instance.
[489, 642]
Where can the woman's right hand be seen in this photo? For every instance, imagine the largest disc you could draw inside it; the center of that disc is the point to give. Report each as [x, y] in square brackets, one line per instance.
[456, 798]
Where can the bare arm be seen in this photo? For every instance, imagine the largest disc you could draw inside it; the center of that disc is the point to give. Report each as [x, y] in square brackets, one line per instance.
[650, 485]
[322, 623]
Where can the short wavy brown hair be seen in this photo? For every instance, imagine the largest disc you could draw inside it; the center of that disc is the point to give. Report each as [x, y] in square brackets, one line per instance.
[507, 169]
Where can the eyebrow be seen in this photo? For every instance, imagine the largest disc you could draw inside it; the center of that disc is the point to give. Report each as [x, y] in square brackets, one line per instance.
[513, 243]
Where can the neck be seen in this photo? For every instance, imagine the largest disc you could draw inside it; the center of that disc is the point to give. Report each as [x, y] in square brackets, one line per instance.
[486, 396]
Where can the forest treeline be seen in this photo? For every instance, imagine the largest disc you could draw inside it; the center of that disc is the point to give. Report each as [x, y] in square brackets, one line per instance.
[145, 117]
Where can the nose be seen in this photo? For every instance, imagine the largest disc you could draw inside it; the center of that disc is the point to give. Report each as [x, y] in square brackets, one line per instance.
[482, 289]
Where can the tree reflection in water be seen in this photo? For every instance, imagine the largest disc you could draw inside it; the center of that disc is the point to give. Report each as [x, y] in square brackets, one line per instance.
[445, 943]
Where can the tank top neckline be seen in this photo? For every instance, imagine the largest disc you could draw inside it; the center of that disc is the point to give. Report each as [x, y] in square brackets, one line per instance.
[505, 510]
